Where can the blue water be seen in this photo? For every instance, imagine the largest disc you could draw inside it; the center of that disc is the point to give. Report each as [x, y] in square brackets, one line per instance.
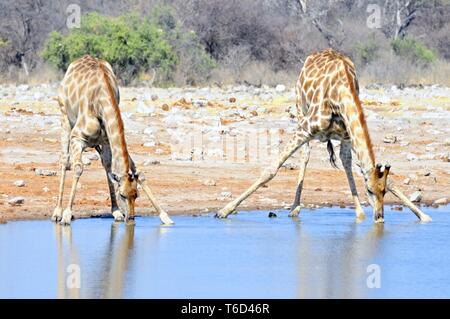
[323, 254]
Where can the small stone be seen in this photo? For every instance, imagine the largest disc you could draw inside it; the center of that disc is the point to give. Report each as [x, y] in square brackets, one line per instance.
[224, 196]
[51, 140]
[209, 182]
[44, 172]
[406, 181]
[16, 201]
[390, 139]
[86, 161]
[232, 100]
[280, 88]
[416, 197]
[165, 107]
[441, 201]
[318, 189]
[151, 162]
[19, 183]
[427, 173]
[45, 189]
[411, 157]
[397, 208]
[290, 166]
[272, 215]
[93, 157]
[154, 97]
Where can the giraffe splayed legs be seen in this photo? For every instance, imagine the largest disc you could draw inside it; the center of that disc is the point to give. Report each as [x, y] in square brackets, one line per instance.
[89, 103]
[328, 107]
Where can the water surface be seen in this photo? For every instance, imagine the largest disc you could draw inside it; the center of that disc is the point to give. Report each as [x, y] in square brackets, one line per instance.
[323, 254]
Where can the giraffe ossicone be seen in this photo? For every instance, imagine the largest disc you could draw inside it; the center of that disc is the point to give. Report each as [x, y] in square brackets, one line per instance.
[329, 108]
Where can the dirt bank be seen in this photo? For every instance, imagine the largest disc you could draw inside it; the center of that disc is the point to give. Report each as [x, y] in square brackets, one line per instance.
[199, 148]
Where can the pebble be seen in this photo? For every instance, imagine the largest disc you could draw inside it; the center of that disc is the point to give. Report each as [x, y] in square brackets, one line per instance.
[280, 88]
[151, 162]
[93, 157]
[224, 196]
[209, 182]
[406, 181]
[441, 201]
[16, 201]
[416, 197]
[44, 172]
[412, 157]
[19, 183]
[390, 139]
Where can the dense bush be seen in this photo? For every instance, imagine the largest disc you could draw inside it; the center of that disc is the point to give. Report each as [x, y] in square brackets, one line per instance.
[413, 50]
[133, 45]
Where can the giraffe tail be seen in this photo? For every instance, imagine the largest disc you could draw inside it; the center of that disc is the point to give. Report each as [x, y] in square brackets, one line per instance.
[330, 149]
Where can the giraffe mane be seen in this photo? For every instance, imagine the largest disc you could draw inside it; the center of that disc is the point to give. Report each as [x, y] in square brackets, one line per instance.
[117, 115]
[361, 116]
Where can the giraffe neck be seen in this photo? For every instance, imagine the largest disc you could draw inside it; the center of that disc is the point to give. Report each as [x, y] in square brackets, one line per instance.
[115, 130]
[357, 128]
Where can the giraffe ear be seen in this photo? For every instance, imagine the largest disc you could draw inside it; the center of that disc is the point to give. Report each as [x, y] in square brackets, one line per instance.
[113, 178]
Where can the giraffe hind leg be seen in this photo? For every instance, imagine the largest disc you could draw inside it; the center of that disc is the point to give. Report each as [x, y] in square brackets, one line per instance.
[105, 155]
[346, 159]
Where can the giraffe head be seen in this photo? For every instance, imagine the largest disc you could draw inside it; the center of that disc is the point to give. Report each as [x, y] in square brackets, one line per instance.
[126, 192]
[376, 189]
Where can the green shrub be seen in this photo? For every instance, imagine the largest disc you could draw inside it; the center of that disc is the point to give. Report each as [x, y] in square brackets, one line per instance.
[132, 45]
[367, 51]
[413, 50]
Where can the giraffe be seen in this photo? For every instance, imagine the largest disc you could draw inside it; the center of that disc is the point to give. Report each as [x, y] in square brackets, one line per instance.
[88, 98]
[328, 107]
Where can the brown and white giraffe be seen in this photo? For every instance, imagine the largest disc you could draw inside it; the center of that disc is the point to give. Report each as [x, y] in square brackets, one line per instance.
[89, 103]
[328, 107]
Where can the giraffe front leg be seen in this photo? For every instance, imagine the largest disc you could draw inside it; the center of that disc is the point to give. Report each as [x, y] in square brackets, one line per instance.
[346, 159]
[305, 150]
[76, 148]
[269, 173]
[64, 160]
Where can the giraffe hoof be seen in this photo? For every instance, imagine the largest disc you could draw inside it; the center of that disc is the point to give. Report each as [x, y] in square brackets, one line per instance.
[294, 212]
[224, 212]
[425, 218]
[57, 214]
[130, 222]
[118, 216]
[66, 217]
[165, 219]
[379, 220]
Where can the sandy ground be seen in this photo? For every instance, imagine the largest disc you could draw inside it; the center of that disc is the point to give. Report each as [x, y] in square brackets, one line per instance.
[199, 148]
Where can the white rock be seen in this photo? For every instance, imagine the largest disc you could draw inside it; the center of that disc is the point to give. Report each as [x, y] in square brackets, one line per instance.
[19, 183]
[45, 189]
[441, 201]
[44, 172]
[93, 157]
[151, 162]
[224, 196]
[16, 201]
[209, 182]
[416, 197]
[412, 157]
[406, 181]
[280, 88]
